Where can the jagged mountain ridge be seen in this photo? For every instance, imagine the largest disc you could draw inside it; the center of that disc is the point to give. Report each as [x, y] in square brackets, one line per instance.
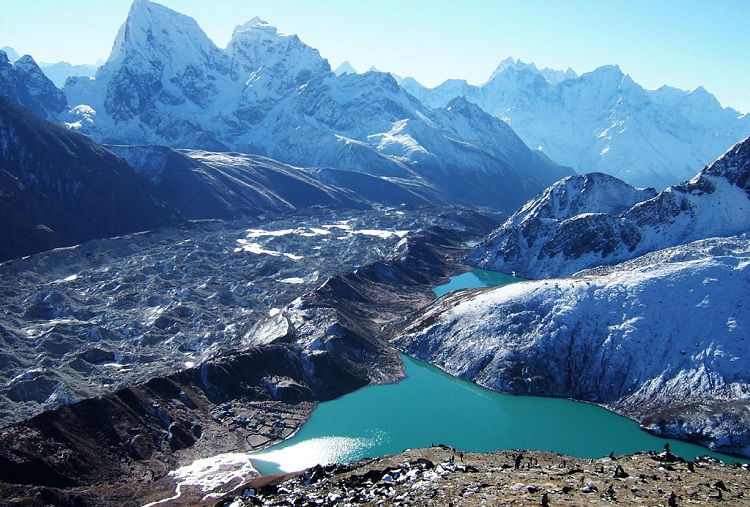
[546, 239]
[602, 121]
[268, 93]
[58, 72]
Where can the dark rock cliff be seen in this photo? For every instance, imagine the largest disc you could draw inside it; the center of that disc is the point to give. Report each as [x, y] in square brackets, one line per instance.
[59, 188]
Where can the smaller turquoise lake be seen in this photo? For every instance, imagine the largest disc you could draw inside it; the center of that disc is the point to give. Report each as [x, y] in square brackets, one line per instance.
[431, 407]
[474, 279]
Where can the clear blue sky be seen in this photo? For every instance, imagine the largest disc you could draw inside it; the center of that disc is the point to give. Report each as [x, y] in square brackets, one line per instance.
[684, 43]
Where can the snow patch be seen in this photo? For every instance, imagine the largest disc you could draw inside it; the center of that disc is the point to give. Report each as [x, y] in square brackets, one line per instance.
[213, 476]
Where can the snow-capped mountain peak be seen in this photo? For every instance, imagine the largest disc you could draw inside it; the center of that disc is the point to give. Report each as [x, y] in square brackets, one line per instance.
[512, 65]
[345, 68]
[258, 44]
[153, 32]
[26, 63]
[516, 66]
[159, 56]
[256, 21]
[25, 83]
[557, 76]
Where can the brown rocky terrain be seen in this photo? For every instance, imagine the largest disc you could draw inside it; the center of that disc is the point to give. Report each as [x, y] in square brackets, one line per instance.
[445, 476]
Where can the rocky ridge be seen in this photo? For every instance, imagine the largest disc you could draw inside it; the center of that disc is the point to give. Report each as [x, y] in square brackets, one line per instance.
[590, 220]
[24, 83]
[59, 188]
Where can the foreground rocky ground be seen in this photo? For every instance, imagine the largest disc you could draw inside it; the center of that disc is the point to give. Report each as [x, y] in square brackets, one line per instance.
[445, 476]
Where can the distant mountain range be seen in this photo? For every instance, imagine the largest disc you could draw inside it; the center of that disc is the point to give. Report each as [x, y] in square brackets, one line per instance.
[268, 93]
[58, 72]
[603, 121]
[357, 138]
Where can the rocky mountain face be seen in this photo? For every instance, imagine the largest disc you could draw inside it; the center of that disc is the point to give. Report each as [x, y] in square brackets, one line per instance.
[268, 93]
[586, 221]
[584, 338]
[603, 121]
[210, 185]
[24, 83]
[59, 188]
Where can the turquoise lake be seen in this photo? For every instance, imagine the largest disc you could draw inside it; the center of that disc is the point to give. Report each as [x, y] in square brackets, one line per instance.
[431, 407]
[474, 279]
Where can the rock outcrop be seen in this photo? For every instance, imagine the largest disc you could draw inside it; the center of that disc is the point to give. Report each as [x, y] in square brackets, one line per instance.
[445, 476]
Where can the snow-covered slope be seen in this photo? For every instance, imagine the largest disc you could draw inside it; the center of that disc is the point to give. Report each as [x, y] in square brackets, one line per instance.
[663, 338]
[585, 221]
[268, 93]
[602, 121]
[345, 68]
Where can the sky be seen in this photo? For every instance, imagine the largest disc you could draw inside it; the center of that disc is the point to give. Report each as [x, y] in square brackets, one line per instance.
[685, 44]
